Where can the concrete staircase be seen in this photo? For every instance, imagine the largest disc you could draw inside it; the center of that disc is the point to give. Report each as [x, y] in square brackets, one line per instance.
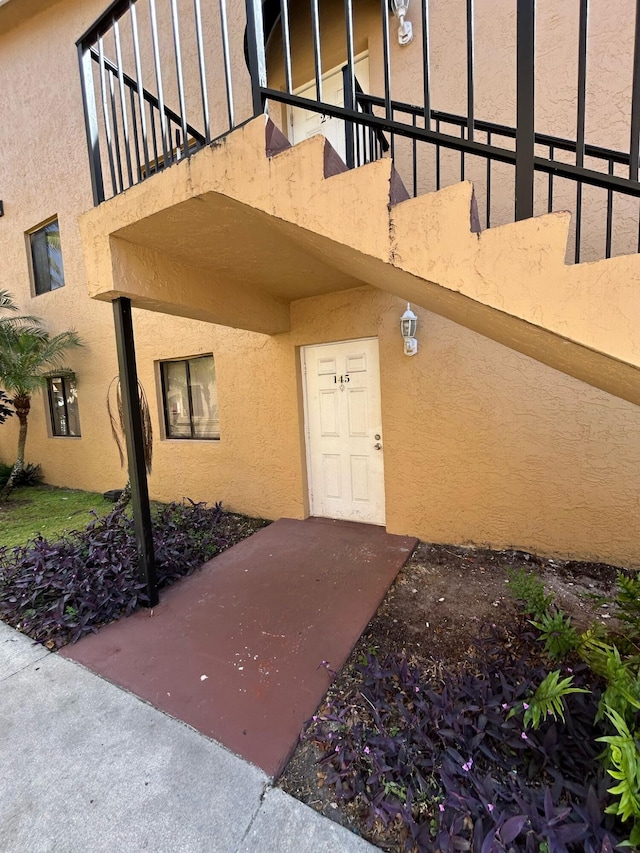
[283, 219]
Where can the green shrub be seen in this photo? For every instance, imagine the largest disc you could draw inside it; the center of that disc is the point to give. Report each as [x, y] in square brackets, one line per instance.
[31, 475]
[618, 664]
[624, 758]
[628, 603]
[557, 633]
[622, 676]
[529, 591]
[548, 699]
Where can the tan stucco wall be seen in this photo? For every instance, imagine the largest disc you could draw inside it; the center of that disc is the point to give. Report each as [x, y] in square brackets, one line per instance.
[482, 443]
[44, 173]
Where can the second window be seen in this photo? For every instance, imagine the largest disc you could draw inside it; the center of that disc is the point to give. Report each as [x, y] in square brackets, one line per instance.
[46, 258]
[63, 405]
[190, 398]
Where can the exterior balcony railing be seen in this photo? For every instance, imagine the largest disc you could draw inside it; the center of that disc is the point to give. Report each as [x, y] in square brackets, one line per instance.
[162, 78]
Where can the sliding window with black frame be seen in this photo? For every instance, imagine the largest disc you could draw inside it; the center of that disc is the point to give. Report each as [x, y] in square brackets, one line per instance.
[63, 405]
[190, 398]
[46, 258]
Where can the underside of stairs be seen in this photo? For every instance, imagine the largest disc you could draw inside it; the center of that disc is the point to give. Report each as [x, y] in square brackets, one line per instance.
[236, 233]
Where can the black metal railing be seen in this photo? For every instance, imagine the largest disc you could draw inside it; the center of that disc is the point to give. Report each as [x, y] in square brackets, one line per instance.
[132, 131]
[147, 147]
[195, 61]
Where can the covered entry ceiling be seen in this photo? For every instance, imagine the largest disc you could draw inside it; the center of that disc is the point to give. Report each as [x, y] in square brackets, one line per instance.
[237, 244]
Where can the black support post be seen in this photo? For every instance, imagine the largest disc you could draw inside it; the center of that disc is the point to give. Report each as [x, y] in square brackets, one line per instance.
[525, 131]
[135, 445]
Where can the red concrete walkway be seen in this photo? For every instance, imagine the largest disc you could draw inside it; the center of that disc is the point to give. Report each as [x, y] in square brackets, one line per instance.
[236, 650]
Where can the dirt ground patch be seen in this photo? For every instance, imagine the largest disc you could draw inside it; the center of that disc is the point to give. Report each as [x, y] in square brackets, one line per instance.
[434, 613]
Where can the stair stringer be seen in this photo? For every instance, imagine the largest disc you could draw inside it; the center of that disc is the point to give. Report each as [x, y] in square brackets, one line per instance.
[349, 208]
[520, 270]
[509, 283]
[582, 362]
[511, 277]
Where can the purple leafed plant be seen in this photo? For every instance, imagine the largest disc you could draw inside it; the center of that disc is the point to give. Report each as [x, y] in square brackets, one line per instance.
[56, 591]
[451, 763]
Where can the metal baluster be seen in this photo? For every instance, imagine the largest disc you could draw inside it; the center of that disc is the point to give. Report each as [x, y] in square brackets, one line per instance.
[414, 152]
[349, 78]
[462, 156]
[437, 156]
[286, 44]
[257, 60]
[164, 129]
[153, 139]
[387, 58]
[91, 121]
[175, 23]
[197, 13]
[489, 183]
[317, 57]
[634, 147]
[138, 64]
[226, 52]
[525, 130]
[116, 135]
[552, 152]
[352, 157]
[136, 143]
[123, 101]
[582, 97]
[609, 227]
[393, 146]
[426, 70]
[470, 65]
[105, 111]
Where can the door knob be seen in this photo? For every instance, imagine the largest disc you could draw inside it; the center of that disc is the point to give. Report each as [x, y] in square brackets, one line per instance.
[377, 445]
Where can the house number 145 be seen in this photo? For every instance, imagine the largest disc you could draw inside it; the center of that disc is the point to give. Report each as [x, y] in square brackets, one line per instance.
[341, 379]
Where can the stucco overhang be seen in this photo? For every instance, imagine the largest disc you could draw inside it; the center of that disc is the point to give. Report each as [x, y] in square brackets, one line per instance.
[214, 258]
[237, 232]
[14, 12]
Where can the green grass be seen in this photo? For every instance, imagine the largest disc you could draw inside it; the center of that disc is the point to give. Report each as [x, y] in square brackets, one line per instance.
[47, 510]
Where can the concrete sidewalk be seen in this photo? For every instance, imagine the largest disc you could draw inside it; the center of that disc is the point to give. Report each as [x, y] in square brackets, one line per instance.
[87, 767]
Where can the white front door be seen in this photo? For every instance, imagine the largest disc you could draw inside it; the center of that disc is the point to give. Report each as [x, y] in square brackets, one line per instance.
[344, 430]
[304, 123]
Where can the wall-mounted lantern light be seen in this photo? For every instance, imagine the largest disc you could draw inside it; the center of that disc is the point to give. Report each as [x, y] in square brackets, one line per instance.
[405, 30]
[408, 325]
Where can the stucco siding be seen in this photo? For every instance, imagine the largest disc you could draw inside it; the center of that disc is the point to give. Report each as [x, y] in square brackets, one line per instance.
[481, 443]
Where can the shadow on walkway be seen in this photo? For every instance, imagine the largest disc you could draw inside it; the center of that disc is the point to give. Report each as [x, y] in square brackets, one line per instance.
[237, 649]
